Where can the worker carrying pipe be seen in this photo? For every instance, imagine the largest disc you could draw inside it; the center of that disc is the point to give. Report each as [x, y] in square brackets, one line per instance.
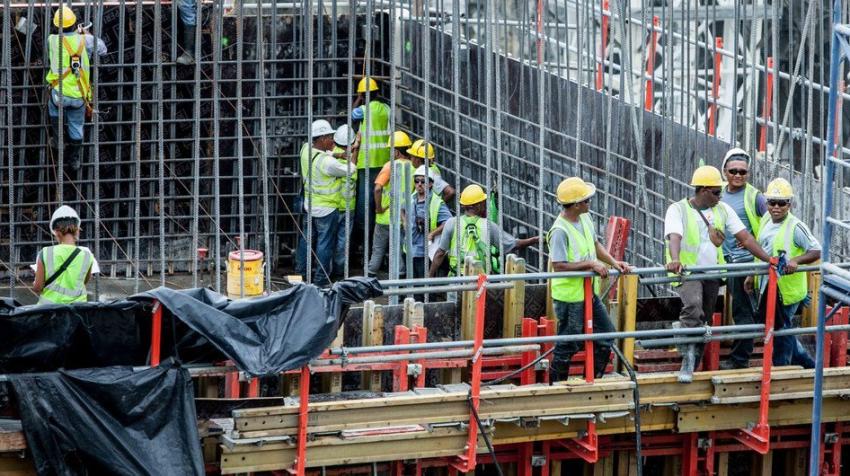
[749, 204]
[782, 234]
[472, 234]
[695, 229]
[573, 246]
[63, 270]
[69, 80]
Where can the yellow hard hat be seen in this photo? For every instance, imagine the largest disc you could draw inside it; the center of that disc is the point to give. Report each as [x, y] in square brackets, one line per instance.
[68, 17]
[707, 176]
[399, 139]
[779, 189]
[361, 86]
[574, 190]
[420, 149]
[472, 194]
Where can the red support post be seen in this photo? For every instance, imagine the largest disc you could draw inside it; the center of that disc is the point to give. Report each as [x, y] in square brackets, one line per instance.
[526, 450]
[303, 410]
[600, 67]
[690, 454]
[711, 360]
[231, 383]
[650, 64]
[400, 380]
[839, 339]
[758, 438]
[156, 333]
[549, 327]
[529, 329]
[768, 104]
[254, 388]
[715, 87]
[539, 32]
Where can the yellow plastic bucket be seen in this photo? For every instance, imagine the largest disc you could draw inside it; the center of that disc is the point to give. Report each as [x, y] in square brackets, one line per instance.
[252, 264]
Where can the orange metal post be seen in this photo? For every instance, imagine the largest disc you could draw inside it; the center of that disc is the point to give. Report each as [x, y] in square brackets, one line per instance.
[650, 63]
[768, 103]
[400, 381]
[254, 388]
[529, 329]
[715, 87]
[603, 47]
[539, 32]
[156, 333]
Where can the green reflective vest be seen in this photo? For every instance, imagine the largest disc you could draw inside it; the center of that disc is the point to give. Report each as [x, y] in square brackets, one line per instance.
[580, 247]
[401, 174]
[689, 250]
[73, 86]
[473, 235]
[434, 206]
[750, 195]
[376, 134]
[792, 287]
[70, 286]
[347, 186]
[320, 189]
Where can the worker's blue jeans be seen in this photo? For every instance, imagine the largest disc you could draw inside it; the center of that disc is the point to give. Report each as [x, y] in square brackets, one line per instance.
[571, 322]
[324, 246]
[365, 194]
[341, 238]
[188, 12]
[787, 350]
[742, 314]
[74, 114]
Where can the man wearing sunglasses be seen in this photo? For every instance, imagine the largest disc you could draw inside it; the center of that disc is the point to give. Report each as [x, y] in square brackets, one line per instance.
[780, 231]
[750, 205]
[695, 229]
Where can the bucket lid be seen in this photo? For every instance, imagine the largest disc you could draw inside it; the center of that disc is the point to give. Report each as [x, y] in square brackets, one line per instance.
[247, 255]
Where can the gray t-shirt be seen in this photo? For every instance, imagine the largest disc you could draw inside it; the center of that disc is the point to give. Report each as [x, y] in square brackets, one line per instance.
[803, 238]
[494, 235]
[419, 213]
[734, 253]
[558, 242]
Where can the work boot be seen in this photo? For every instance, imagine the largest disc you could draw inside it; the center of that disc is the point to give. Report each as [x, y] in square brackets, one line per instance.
[559, 371]
[72, 153]
[187, 45]
[686, 373]
[601, 359]
[731, 365]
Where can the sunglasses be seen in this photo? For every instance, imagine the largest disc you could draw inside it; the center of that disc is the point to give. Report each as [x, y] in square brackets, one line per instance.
[738, 171]
[417, 181]
[716, 193]
[777, 203]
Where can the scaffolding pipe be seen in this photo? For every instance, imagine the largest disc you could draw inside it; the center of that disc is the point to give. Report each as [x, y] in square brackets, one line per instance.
[448, 354]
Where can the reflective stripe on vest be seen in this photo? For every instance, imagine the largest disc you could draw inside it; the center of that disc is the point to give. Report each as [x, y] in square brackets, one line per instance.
[347, 185]
[72, 86]
[792, 287]
[401, 173]
[750, 196]
[434, 206]
[70, 287]
[579, 247]
[689, 250]
[474, 243]
[324, 189]
[376, 134]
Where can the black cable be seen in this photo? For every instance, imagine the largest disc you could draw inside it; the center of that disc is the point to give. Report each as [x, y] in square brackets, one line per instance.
[484, 435]
[521, 369]
[636, 392]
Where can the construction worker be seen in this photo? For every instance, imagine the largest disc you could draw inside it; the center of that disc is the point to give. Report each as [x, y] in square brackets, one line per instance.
[749, 204]
[782, 234]
[63, 270]
[417, 153]
[188, 10]
[343, 138]
[374, 119]
[573, 247]
[319, 174]
[430, 213]
[479, 237]
[384, 183]
[68, 77]
[695, 229]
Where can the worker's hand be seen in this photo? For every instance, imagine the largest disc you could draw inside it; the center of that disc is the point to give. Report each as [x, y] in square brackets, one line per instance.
[716, 236]
[748, 284]
[790, 267]
[379, 209]
[675, 267]
[600, 269]
[432, 235]
[622, 266]
[356, 144]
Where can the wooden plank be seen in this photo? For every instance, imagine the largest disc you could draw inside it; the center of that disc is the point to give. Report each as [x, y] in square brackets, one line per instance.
[785, 385]
[809, 313]
[627, 294]
[782, 413]
[723, 464]
[762, 464]
[626, 463]
[372, 334]
[468, 302]
[514, 307]
[12, 436]
[332, 382]
[604, 467]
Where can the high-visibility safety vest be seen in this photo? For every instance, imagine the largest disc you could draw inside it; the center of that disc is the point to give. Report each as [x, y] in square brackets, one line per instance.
[376, 134]
[320, 189]
[71, 51]
[792, 287]
[401, 176]
[434, 204]
[347, 185]
[750, 208]
[689, 250]
[581, 246]
[70, 286]
[473, 235]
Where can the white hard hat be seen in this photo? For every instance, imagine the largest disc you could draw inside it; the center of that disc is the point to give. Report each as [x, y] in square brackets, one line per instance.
[344, 136]
[321, 128]
[735, 153]
[64, 212]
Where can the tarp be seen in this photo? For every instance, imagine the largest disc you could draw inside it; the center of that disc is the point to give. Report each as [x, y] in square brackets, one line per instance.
[110, 421]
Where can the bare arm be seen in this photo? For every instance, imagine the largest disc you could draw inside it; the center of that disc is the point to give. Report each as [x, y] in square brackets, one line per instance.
[436, 231]
[378, 193]
[675, 266]
[38, 284]
[603, 255]
[439, 256]
[523, 243]
[448, 193]
[807, 258]
[747, 241]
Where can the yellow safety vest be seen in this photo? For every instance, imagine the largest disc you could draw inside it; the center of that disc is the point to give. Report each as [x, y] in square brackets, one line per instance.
[473, 243]
[320, 189]
[376, 134]
[792, 287]
[347, 185]
[689, 250]
[403, 174]
[70, 286]
[73, 48]
[580, 247]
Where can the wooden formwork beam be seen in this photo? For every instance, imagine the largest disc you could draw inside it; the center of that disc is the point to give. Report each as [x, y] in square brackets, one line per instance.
[627, 294]
[785, 385]
[372, 334]
[782, 413]
[468, 301]
[514, 307]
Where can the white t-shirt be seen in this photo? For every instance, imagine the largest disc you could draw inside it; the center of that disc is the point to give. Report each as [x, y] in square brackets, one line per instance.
[673, 223]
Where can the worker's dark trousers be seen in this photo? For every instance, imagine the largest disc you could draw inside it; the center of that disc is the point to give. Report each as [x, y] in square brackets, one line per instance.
[787, 350]
[699, 300]
[571, 322]
[365, 189]
[742, 314]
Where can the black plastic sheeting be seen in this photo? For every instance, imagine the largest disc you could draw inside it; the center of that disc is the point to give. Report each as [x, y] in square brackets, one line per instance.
[110, 420]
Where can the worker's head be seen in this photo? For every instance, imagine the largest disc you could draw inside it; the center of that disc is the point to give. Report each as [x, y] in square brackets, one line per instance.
[419, 150]
[367, 84]
[574, 194]
[779, 194]
[708, 185]
[65, 221]
[344, 136]
[399, 142]
[736, 167]
[322, 135]
[474, 200]
[422, 181]
[64, 18]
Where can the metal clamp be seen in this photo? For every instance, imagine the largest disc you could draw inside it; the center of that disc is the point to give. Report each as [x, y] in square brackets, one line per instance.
[414, 370]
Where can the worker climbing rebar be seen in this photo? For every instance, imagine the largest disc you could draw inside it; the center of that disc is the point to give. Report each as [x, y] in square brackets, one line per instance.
[573, 246]
[188, 10]
[63, 270]
[695, 229]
